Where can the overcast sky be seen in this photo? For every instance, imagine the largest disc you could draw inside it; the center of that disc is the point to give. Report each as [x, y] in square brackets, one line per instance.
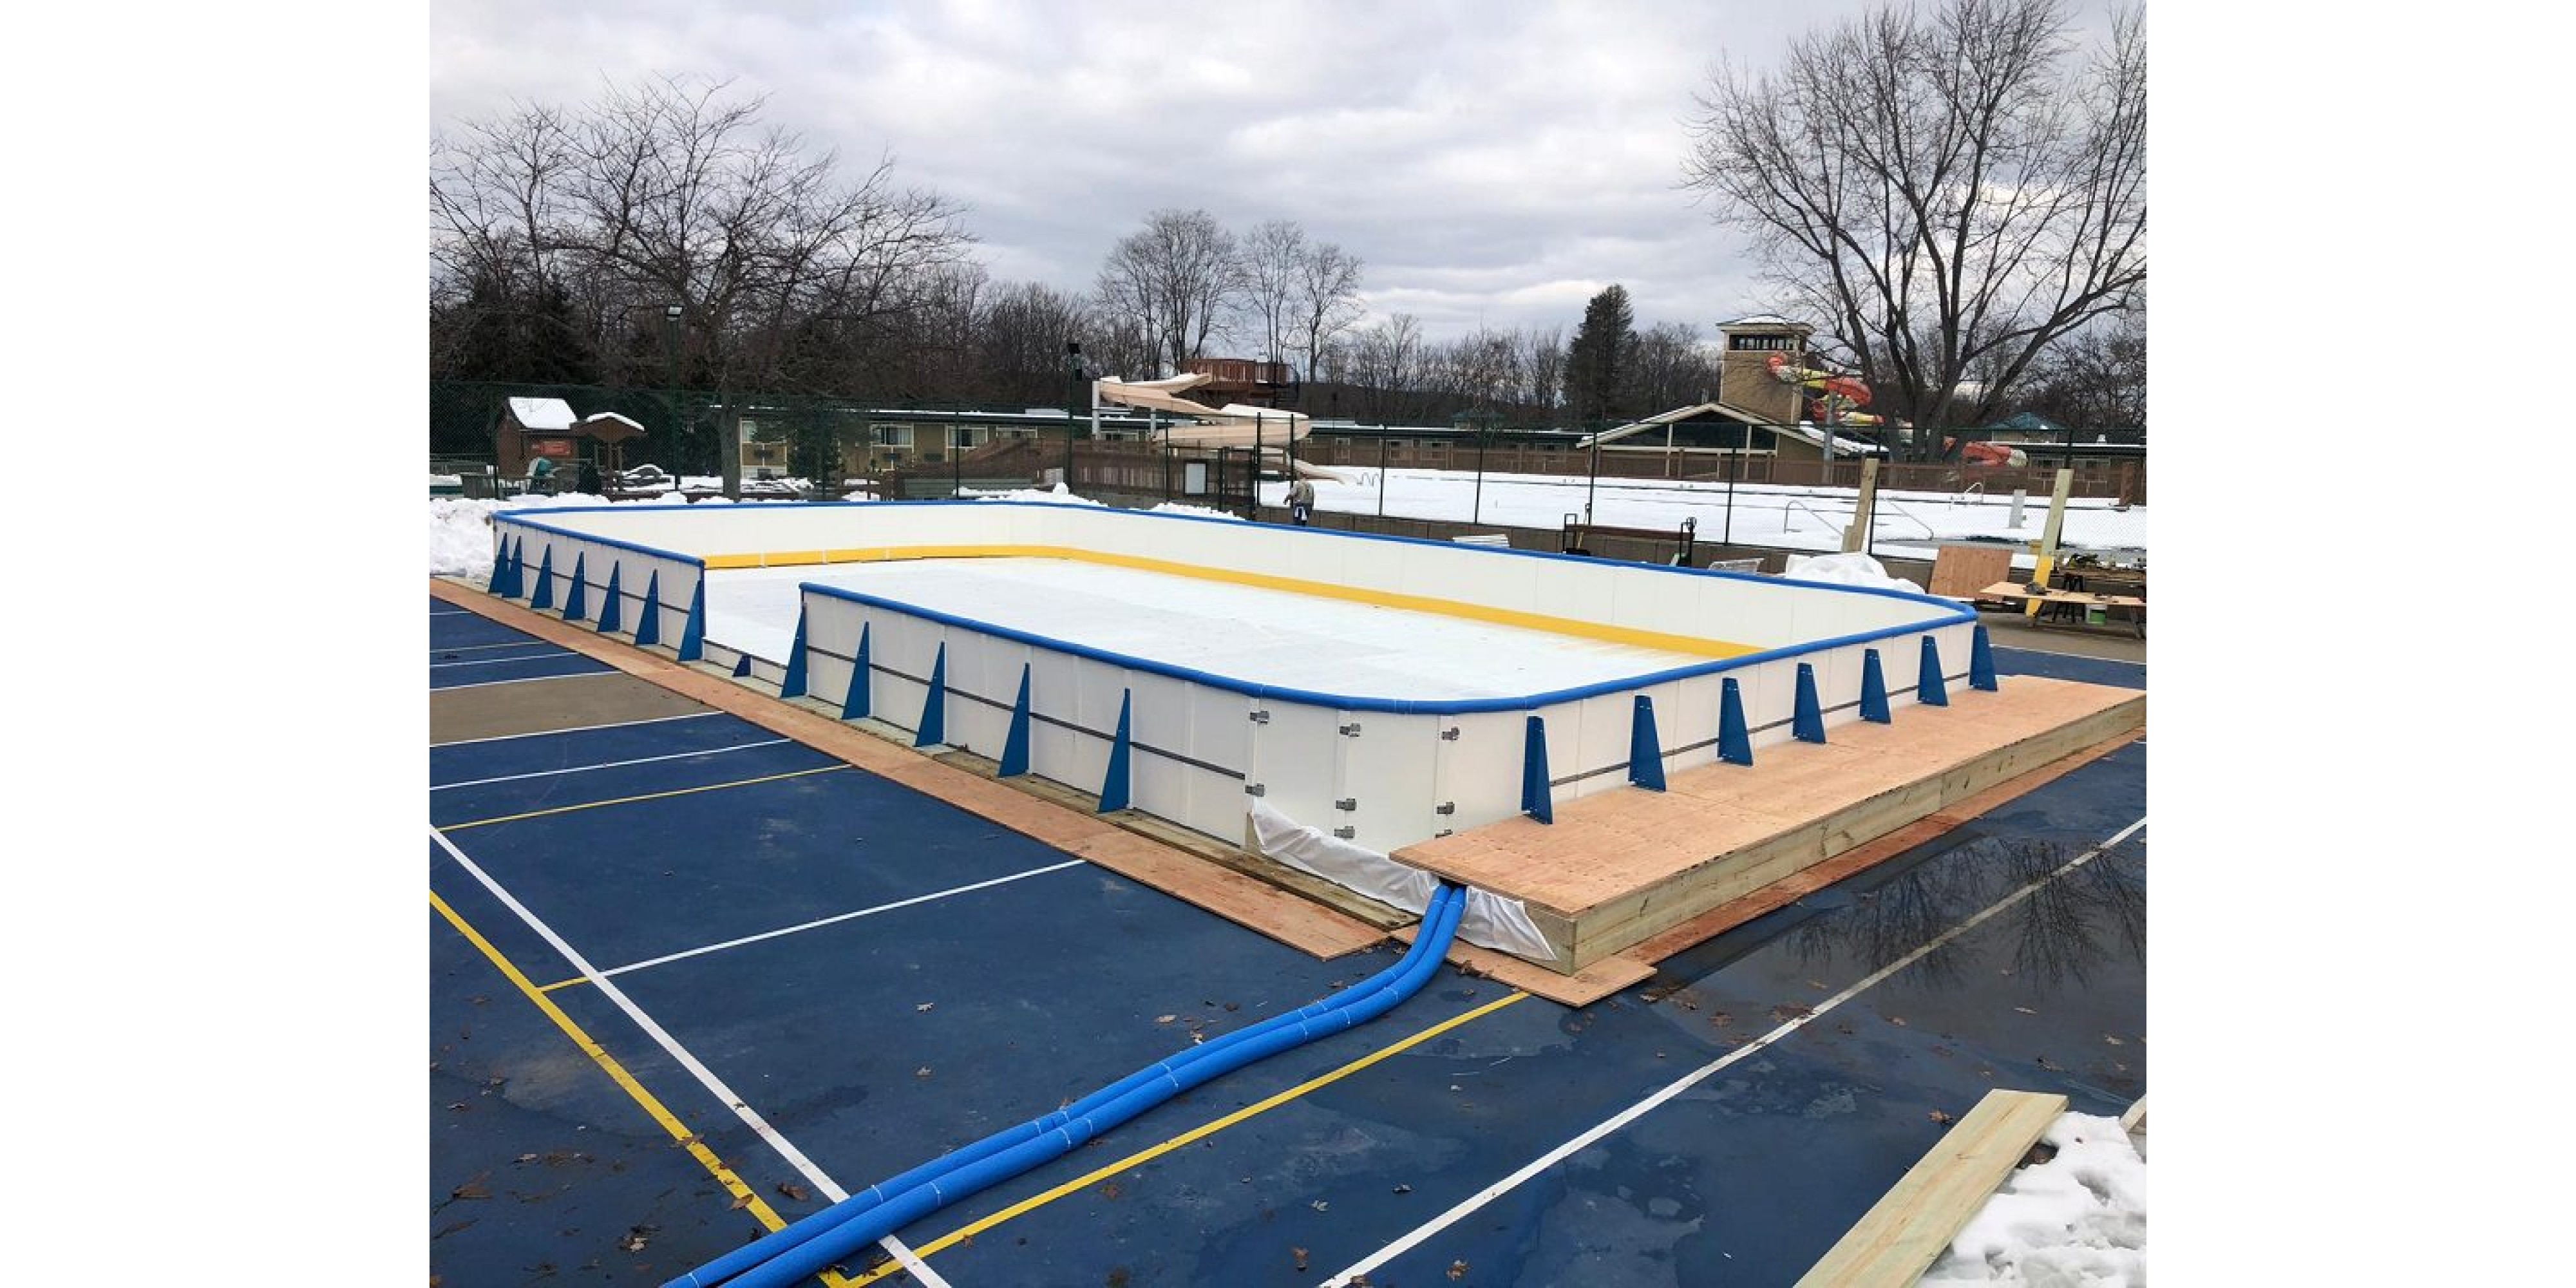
[1492, 161]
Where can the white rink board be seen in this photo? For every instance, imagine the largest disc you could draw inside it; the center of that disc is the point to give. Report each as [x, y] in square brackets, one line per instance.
[1383, 723]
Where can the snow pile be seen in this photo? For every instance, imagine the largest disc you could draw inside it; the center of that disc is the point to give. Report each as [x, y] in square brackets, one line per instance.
[1194, 511]
[2079, 1218]
[1061, 495]
[460, 530]
[1854, 569]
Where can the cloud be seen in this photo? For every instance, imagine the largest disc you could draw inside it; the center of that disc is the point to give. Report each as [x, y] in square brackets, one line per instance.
[1493, 163]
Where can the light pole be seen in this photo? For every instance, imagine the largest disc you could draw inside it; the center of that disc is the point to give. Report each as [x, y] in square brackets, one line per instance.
[1073, 404]
[671, 371]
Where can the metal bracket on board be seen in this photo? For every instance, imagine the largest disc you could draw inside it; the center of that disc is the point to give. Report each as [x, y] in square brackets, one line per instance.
[1255, 789]
[1351, 730]
[1449, 734]
[1259, 717]
[1346, 833]
[1347, 804]
[1445, 807]
[1442, 832]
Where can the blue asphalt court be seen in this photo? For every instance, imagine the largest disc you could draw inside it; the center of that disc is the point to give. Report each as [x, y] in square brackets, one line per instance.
[690, 980]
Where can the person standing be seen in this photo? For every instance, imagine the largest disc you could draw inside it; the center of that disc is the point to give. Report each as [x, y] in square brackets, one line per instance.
[1301, 502]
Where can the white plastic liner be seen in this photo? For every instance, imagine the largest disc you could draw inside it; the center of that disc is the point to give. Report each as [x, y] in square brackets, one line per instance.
[1492, 921]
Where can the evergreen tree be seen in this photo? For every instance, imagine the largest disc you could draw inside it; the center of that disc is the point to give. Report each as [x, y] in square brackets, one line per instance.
[1601, 362]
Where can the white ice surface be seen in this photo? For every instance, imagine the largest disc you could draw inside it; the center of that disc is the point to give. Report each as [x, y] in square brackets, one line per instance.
[1258, 636]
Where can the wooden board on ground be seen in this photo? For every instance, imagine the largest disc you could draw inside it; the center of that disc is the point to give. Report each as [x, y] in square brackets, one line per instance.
[1238, 898]
[1582, 988]
[1904, 1233]
[1618, 868]
[1959, 572]
[1780, 894]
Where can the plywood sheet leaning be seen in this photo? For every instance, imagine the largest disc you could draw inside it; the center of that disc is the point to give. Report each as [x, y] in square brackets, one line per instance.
[1900, 1237]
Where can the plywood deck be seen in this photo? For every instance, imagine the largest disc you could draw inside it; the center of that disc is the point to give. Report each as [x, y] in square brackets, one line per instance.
[1621, 867]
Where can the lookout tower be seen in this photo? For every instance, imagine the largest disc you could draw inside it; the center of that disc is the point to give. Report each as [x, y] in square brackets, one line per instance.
[1744, 378]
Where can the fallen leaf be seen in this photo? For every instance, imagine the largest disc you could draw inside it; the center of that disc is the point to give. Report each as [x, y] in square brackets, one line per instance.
[637, 1237]
[922, 1072]
[1457, 1269]
[1300, 1255]
[2113, 1041]
[925, 1006]
[1897, 1020]
[473, 1189]
[740, 1201]
[794, 1191]
[2025, 1010]
[1319, 1205]
[1404, 1189]
[1943, 1119]
[1165, 1019]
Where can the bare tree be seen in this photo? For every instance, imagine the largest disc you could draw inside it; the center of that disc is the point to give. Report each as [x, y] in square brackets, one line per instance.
[672, 191]
[1950, 191]
[1327, 299]
[1672, 368]
[1274, 266]
[1175, 278]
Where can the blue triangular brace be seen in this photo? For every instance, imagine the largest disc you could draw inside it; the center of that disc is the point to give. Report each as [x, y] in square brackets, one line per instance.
[577, 599]
[1929, 688]
[1873, 689]
[1809, 721]
[1015, 745]
[741, 665]
[854, 700]
[501, 584]
[610, 604]
[693, 636]
[1113, 785]
[1734, 740]
[933, 728]
[648, 623]
[545, 596]
[1537, 797]
[1645, 750]
[794, 685]
[1981, 663]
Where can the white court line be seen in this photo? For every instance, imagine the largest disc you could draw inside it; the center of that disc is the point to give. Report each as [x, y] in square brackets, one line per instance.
[1692, 1079]
[548, 733]
[533, 679]
[613, 764]
[505, 661]
[481, 648]
[705, 1076]
[849, 916]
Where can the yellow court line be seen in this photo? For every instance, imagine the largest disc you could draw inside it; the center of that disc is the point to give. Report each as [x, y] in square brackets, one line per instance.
[1024, 1206]
[629, 800]
[1580, 629]
[743, 1194]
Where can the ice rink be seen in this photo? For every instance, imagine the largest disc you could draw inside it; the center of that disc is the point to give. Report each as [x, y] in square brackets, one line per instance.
[1256, 635]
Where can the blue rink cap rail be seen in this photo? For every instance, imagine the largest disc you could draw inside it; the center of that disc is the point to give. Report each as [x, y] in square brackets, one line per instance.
[820, 1241]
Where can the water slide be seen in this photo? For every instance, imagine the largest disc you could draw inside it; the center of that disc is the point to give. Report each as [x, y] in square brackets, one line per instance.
[1838, 397]
[1235, 425]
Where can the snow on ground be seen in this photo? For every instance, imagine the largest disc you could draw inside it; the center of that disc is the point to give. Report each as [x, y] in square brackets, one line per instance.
[1909, 524]
[2078, 1219]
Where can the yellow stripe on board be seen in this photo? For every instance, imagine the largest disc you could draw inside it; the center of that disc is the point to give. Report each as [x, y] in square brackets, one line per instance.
[1666, 641]
[743, 1194]
[1031, 1204]
[630, 800]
